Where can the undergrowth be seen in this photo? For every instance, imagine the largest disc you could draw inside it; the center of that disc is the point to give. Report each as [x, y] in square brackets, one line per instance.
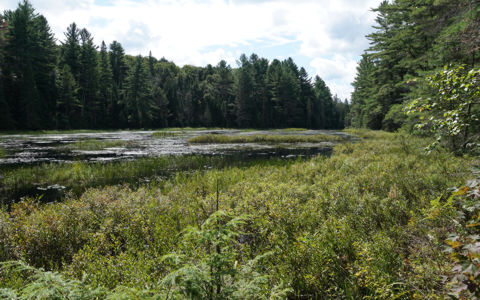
[369, 222]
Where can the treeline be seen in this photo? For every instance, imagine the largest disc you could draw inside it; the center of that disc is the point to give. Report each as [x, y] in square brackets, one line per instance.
[80, 85]
[412, 39]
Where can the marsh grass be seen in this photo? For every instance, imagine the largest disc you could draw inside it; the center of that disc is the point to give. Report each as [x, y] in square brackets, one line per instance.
[167, 134]
[96, 144]
[368, 134]
[262, 138]
[76, 177]
[291, 129]
[369, 222]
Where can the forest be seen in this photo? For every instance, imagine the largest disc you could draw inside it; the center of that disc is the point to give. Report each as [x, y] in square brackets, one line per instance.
[78, 84]
[262, 201]
[412, 40]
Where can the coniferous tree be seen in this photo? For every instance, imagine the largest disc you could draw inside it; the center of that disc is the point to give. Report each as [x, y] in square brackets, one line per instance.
[274, 107]
[6, 122]
[244, 102]
[68, 103]
[306, 99]
[119, 69]
[138, 100]
[412, 38]
[76, 85]
[28, 67]
[105, 89]
[71, 50]
[88, 82]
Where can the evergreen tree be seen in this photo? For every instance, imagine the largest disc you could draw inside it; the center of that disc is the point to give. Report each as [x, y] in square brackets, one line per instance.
[273, 106]
[68, 103]
[138, 100]
[305, 97]
[244, 98]
[6, 122]
[119, 69]
[105, 89]
[28, 67]
[71, 50]
[323, 106]
[88, 82]
[412, 38]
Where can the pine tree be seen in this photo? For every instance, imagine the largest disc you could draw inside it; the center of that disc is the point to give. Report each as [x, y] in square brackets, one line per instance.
[68, 103]
[119, 71]
[28, 67]
[323, 106]
[88, 81]
[288, 90]
[71, 50]
[274, 110]
[244, 98]
[105, 89]
[6, 122]
[138, 99]
[306, 103]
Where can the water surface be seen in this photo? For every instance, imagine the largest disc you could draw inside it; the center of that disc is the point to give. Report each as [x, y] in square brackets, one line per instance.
[25, 149]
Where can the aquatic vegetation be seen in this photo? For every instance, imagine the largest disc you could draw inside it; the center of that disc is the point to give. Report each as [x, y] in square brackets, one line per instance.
[3, 152]
[76, 177]
[291, 129]
[263, 138]
[96, 144]
[167, 133]
[363, 223]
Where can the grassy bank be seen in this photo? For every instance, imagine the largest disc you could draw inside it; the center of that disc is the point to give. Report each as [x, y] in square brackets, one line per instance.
[368, 222]
[262, 138]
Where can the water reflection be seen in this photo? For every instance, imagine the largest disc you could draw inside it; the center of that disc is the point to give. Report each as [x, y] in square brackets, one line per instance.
[34, 149]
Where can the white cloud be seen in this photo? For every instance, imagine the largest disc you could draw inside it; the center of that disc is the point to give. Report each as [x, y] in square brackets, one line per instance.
[330, 33]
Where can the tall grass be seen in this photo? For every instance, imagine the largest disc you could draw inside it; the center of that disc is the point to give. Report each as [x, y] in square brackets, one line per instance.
[358, 224]
[76, 177]
[262, 138]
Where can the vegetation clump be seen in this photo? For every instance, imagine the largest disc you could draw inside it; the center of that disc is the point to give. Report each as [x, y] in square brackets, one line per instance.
[167, 134]
[263, 138]
[95, 144]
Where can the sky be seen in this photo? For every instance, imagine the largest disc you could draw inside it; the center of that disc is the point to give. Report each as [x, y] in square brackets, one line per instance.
[326, 37]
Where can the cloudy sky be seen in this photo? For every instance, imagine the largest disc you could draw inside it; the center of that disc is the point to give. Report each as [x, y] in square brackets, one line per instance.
[326, 37]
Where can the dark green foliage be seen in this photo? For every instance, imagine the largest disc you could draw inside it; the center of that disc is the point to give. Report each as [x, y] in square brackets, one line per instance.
[105, 89]
[28, 70]
[68, 104]
[109, 89]
[411, 39]
[138, 101]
